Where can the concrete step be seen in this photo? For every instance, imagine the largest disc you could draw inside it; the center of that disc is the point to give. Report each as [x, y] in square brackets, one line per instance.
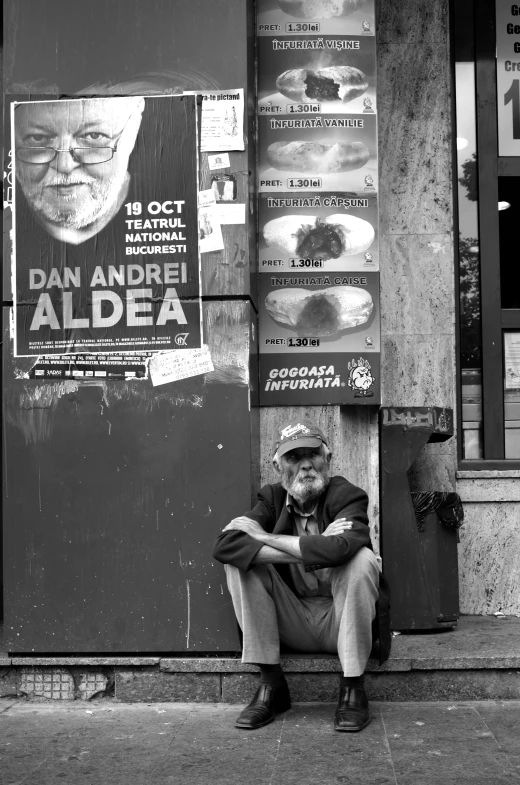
[478, 660]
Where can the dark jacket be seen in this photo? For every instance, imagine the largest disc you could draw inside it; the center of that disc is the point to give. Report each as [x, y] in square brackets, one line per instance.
[340, 500]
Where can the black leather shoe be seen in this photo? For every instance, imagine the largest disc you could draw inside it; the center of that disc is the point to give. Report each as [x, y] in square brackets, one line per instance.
[266, 704]
[352, 712]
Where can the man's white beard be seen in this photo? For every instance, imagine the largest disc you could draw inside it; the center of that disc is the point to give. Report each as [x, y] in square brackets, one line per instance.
[79, 212]
[303, 490]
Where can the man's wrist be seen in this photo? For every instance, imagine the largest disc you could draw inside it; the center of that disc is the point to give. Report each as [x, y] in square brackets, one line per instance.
[268, 539]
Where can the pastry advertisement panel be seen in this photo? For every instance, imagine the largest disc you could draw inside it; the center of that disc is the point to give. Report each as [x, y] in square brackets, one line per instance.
[319, 312]
[312, 313]
[328, 17]
[309, 76]
[318, 232]
[318, 153]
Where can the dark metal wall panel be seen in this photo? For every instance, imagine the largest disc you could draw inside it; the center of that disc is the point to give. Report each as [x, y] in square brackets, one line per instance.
[116, 490]
[114, 494]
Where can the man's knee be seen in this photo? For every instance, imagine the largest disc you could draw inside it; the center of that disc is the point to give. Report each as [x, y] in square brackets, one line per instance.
[236, 577]
[362, 567]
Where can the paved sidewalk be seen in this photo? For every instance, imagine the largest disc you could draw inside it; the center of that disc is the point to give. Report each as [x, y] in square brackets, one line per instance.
[109, 743]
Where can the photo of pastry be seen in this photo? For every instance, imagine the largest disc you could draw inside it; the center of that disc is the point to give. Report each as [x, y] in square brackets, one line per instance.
[335, 312]
[336, 83]
[309, 237]
[321, 153]
[327, 232]
[321, 81]
[342, 17]
[317, 157]
[322, 313]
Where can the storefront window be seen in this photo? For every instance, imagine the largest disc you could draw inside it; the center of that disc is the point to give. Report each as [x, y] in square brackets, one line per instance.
[488, 179]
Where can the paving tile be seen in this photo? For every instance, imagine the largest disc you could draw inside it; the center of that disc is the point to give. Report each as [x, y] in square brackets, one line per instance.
[514, 760]
[6, 703]
[502, 718]
[311, 751]
[443, 744]
[209, 749]
[106, 746]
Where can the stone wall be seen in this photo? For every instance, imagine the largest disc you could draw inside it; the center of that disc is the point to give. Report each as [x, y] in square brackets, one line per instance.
[489, 564]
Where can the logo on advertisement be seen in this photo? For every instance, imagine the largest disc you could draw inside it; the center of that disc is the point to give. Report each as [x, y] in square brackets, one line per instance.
[360, 378]
[292, 430]
[181, 338]
[365, 25]
[303, 378]
[367, 105]
[369, 181]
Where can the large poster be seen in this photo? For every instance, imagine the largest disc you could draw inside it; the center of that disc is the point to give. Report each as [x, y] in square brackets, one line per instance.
[105, 246]
[508, 77]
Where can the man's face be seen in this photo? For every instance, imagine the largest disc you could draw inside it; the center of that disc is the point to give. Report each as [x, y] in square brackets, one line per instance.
[65, 192]
[304, 472]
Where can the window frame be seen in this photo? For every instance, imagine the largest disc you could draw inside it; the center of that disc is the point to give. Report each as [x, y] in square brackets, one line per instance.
[494, 319]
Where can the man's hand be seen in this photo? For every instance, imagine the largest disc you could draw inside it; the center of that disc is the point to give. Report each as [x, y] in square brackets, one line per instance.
[337, 527]
[247, 525]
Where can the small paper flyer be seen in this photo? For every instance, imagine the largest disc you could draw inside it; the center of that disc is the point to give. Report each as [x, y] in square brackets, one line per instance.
[222, 124]
[220, 161]
[512, 360]
[179, 364]
[210, 232]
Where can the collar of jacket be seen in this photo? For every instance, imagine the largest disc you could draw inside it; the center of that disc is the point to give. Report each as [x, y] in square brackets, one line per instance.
[284, 524]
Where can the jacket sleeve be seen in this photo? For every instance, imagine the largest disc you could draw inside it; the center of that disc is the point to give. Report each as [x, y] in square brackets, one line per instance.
[319, 551]
[238, 548]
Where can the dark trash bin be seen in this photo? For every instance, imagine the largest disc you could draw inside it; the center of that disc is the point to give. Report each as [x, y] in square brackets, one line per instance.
[419, 531]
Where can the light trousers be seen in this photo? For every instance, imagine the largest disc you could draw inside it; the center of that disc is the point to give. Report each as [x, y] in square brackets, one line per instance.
[269, 613]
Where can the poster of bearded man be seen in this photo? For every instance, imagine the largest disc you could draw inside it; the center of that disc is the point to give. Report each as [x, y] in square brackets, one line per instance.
[105, 251]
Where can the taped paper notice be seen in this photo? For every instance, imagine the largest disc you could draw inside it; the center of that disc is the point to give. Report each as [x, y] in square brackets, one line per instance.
[231, 213]
[222, 121]
[179, 364]
[512, 360]
[220, 161]
[210, 233]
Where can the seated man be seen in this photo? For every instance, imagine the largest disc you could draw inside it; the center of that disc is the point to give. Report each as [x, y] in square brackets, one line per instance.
[301, 571]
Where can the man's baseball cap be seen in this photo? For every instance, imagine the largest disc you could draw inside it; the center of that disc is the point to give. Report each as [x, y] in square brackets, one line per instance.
[298, 433]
